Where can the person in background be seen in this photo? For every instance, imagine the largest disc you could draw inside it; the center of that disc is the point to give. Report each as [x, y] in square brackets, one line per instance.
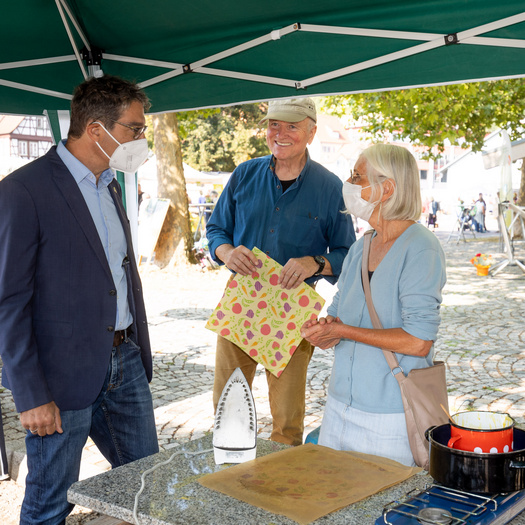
[484, 212]
[290, 207]
[433, 208]
[75, 345]
[141, 195]
[472, 212]
[479, 216]
[211, 199]
[364, 411]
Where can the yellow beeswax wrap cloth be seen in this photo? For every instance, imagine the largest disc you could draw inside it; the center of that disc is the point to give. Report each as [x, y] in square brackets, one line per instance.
[263, 319]
[307, 482]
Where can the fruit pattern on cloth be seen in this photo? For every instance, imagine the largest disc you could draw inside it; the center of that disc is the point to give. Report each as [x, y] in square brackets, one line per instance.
[263, 319]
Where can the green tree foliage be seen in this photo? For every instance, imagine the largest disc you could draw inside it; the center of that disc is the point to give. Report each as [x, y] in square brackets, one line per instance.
[186, 120]
[222, 139]
[462, 114]
[210, 140]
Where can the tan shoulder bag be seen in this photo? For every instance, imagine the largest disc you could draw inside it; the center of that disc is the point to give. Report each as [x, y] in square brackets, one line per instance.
[423, 390]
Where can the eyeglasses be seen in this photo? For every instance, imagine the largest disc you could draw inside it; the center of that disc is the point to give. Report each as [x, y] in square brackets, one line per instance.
[138, 130]
[355, 178]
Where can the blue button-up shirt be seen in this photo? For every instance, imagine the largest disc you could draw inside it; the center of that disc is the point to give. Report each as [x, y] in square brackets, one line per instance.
[109, 228]
[306, 219]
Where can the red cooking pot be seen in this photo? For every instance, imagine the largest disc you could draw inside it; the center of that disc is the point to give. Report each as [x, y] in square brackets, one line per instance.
[482, 432]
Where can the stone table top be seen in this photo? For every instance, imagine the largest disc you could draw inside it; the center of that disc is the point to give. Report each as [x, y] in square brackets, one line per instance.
[173, 495]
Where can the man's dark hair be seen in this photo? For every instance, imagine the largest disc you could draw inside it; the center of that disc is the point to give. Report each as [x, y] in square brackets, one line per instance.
[103, 99]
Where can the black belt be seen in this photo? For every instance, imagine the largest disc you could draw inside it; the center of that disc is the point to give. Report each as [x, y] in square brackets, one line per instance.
[121, 335]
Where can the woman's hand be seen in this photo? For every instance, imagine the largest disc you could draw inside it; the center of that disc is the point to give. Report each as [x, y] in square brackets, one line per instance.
[322, 333]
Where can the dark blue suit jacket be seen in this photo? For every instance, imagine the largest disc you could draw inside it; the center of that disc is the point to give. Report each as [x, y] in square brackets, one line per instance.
[58, 300]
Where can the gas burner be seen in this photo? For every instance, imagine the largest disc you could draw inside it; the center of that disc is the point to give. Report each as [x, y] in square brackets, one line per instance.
[438, 505]
[432, 515]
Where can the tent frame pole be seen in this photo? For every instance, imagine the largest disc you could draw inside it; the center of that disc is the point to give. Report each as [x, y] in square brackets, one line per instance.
[430, 41]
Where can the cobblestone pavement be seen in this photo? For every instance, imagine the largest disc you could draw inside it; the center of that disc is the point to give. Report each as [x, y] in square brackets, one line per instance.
[482, 340]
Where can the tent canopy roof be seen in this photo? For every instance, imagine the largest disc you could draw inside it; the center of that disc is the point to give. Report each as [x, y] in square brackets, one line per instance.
[206, 53]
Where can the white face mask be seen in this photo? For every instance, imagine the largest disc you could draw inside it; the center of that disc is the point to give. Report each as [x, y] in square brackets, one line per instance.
[128, 156]
[355, 204]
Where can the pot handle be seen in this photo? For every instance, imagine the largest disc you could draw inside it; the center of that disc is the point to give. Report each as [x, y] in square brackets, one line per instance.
[517, 464]
[452, 440]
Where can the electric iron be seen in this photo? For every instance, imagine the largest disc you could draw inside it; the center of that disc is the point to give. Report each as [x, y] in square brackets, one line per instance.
[235, 430]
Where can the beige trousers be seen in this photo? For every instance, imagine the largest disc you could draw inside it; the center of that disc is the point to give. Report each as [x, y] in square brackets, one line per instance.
[286, 393]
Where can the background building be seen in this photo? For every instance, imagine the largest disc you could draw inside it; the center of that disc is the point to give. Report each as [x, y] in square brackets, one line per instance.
[22, 139]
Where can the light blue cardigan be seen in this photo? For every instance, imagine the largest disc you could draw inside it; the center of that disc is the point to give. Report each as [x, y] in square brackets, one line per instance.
[406, 290]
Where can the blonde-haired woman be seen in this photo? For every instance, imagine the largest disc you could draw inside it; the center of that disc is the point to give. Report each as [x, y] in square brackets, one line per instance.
[406, 265]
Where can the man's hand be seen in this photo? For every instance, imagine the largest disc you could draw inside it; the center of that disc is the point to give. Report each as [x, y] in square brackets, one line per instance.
[43, 420]
[240, 259]
[295, 271]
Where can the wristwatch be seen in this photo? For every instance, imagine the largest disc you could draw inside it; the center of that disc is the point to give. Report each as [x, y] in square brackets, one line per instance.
[320, 260]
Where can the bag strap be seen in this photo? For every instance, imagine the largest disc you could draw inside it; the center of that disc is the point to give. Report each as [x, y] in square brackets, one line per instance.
[390, 357]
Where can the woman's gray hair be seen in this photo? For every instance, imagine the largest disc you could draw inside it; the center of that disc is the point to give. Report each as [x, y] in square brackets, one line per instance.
[386, 161]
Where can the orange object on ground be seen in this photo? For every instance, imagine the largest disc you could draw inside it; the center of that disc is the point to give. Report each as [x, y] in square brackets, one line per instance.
[482, 270]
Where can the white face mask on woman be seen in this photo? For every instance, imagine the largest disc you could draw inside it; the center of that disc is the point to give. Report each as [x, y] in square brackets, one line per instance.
[355, 204]
[128, 156]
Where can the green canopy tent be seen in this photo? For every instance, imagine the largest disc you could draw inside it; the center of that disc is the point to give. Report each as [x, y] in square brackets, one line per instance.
[206, 53]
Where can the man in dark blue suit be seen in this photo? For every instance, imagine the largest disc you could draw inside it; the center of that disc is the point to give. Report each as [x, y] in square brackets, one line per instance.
[74, 337]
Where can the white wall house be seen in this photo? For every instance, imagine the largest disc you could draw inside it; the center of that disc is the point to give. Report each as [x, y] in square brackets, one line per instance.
[336, 147]
[22, 139]
[470, 174]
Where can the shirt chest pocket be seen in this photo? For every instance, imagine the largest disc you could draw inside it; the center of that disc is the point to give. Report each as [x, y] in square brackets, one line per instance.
[305, 230]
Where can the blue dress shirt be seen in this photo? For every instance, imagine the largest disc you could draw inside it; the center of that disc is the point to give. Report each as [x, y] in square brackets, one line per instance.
[109, 228]
[306, 219]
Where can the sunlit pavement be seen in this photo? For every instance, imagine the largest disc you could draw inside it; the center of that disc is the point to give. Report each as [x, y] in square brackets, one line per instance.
[481, 338]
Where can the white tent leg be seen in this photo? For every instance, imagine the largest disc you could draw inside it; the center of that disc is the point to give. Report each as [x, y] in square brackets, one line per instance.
[511, 260]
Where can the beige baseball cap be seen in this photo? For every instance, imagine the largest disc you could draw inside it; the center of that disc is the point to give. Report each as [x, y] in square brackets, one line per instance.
[291, 110]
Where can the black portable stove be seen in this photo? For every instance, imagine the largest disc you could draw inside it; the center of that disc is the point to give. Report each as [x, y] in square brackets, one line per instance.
[438, 505]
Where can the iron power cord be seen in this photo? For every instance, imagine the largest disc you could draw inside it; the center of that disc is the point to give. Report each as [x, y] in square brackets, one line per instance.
[155, 467]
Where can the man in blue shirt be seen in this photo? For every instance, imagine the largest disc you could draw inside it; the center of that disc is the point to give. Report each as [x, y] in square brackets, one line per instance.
[291, 208]
[75, 344]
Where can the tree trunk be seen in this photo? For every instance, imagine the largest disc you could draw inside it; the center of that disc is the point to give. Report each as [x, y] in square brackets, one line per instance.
[175, 243]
